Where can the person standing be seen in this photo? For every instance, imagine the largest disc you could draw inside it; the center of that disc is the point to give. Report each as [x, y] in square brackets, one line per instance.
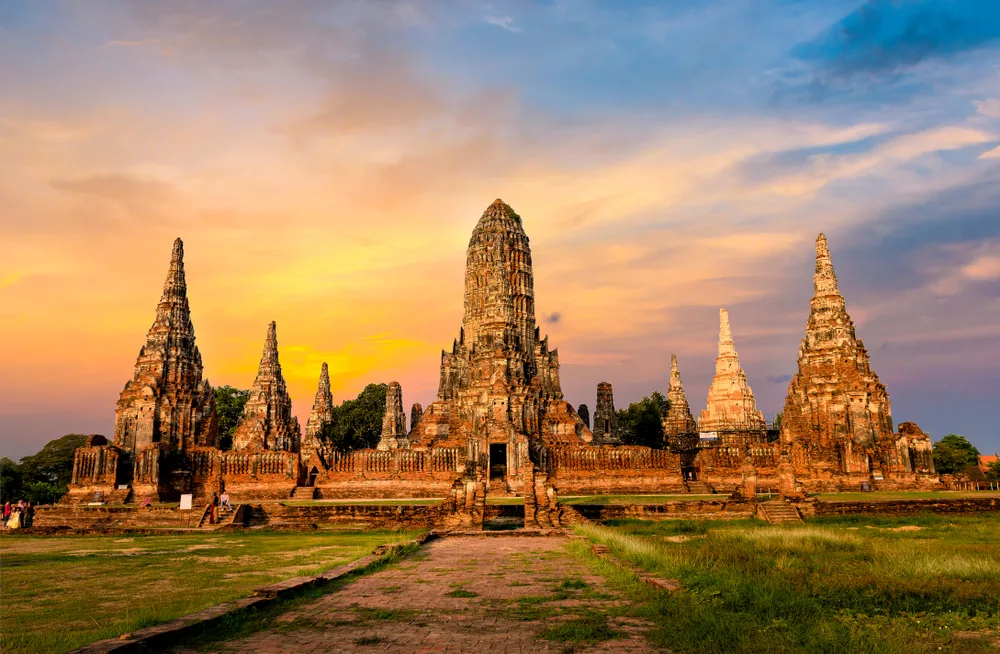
[7, 508]
[29, 514]
[14, 522]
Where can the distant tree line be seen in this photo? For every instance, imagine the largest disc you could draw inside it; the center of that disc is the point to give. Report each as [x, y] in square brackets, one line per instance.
[43, 477]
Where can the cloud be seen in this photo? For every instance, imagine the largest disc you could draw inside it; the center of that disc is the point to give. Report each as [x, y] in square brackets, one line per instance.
[989, 108]
[991, 154]
[886, 37]
[778, 379]
[553, 317]
[504, 22]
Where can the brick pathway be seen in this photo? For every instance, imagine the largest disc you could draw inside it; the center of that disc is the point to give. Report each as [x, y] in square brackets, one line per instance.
[426, 604]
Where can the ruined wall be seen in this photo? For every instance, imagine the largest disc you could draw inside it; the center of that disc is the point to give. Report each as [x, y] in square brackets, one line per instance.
[391, 473]
[586, 470]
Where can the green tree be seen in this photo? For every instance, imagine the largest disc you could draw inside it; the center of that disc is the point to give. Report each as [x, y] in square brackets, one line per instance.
[642, 422]
[357, 423]
[993, 471]
[10, 480]
[953, 453]
[229, 403]
[42, 477]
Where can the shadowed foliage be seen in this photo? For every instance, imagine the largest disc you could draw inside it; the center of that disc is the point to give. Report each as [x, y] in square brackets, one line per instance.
[41, 478]
[357, 423]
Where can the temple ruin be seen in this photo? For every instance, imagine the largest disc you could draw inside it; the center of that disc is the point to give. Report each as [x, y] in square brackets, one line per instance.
[730, 416]
[500, 423]
[605, 421]
[837, 421]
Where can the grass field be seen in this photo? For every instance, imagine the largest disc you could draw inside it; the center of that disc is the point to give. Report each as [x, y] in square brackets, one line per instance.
[63, 592]
[903, 495]
[846, 584]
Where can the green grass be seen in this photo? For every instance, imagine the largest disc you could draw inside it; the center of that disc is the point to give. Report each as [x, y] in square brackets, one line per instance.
[903, 495]
[461, 592]
[587, 629]
[907, 585]
[69, 591]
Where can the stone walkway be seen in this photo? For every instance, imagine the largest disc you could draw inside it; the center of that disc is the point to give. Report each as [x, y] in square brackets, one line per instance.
[458, 594]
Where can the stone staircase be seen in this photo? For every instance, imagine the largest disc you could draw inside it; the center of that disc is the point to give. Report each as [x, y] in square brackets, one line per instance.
[303, 493]
[698, 488]
[118, 496]
[779, 512]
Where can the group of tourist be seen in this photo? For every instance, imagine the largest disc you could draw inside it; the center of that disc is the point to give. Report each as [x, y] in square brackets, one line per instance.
[18, 515]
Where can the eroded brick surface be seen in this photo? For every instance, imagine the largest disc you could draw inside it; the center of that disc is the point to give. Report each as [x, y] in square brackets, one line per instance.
[407, 608]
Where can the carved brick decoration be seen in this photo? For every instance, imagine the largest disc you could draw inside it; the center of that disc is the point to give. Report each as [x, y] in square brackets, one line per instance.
[678, 422]
[394, 420]
[837, 419]
[730, 409]
[836, 410]
[584, 413]
[605, 422]
[166, 403]
[267, 422]
[500, 382]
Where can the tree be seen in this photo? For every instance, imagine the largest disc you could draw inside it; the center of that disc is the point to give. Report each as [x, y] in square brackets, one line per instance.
[993, 471]
[42, 477]
[642, 422]
[10, 480]
[357, 423]
[229, 403]
[953, 454]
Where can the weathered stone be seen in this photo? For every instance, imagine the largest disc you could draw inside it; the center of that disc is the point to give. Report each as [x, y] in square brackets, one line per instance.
[584, 414]
[394, 420]
[267, 422]
[320, 416]
[322, 410]
[730, 410]
[678, 422]
[167, 404]
[499, 385]
[416, 412]
[837, 418]
[605, 422]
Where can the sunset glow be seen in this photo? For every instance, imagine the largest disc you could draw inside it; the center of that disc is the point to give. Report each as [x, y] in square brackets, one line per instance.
[325, 164]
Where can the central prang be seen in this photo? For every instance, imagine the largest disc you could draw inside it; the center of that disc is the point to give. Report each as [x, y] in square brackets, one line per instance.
[500, 383]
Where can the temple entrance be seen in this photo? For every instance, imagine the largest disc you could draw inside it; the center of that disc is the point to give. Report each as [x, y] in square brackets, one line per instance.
[312, 476]
[498, 461]
[689, 474]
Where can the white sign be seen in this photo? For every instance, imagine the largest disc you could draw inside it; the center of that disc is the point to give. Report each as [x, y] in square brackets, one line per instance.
[708, 435]
[186, 502]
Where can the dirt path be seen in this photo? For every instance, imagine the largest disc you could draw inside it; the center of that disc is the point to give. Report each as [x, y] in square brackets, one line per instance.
[461, 594]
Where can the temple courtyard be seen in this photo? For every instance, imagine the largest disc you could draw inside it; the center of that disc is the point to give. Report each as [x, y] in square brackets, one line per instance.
[913, 583]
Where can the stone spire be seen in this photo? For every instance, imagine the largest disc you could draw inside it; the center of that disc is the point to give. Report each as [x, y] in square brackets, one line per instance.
[584, 413]
[678, 421]
[730, 409]
[835, 398]
[394, 420]
[322, 410]
[167, 402]
[605, 422]
[267, 421]
[500, 381]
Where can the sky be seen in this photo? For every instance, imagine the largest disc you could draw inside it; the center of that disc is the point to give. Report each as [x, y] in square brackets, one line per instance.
[326, 162]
